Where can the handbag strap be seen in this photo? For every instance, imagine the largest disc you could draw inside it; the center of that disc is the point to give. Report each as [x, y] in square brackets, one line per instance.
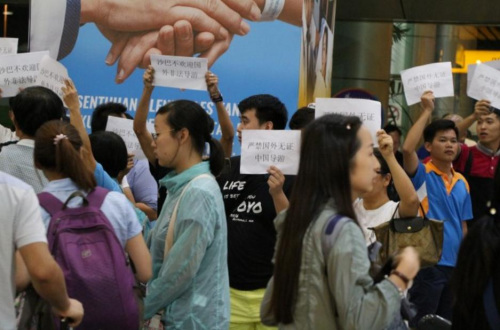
[419, 205]
[169, 240]
[490, 307]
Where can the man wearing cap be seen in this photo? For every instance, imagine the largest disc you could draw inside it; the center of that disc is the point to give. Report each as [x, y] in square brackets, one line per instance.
[478, 163]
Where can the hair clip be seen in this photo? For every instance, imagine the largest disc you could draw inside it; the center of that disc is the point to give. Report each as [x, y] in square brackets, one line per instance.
[348, 126]
[59, 137]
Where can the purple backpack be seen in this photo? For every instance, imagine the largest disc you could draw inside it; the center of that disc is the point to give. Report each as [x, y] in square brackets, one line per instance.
[94, 264]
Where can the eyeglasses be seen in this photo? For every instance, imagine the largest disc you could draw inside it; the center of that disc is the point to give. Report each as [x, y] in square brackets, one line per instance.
[155, 135]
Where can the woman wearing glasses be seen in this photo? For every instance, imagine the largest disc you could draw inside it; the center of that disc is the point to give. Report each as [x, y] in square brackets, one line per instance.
[190, 287]
[375, 207]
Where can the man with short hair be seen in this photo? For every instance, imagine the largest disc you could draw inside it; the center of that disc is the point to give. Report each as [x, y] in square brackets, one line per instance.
[23, 230]
[478, 163]
[30, 109]
[444, 195]
[251, 203]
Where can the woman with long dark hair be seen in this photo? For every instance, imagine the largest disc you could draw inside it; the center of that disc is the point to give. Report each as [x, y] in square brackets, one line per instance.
[190, 285]
[476, 277]
[321, 281]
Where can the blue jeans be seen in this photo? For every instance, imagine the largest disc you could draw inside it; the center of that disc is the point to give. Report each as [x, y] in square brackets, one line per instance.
[431, 293]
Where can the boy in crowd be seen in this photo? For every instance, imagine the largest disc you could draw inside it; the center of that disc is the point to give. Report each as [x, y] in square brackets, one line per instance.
[478, 163]
[444, 194]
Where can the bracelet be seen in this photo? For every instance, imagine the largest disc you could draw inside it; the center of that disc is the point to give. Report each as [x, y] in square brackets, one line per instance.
[402, 276]
[272, 9]
[217, 99]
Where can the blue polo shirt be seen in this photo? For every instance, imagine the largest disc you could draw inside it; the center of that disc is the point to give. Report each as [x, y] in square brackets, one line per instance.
[446, 200]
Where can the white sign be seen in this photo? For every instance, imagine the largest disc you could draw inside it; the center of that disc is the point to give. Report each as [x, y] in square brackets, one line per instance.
[180, 72]
[472, 68]
[436, 77]
[262, 148]
[125, 128]
[370, 112]
[8, 46]
[52, 75]
[19, 71]
[485, 85]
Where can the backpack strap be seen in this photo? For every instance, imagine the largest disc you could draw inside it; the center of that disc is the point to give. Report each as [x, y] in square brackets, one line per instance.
[50, 203]
[169, 240]
[96, 196]
[331, 232]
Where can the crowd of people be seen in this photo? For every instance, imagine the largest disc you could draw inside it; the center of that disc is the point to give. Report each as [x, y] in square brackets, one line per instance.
[217, 249]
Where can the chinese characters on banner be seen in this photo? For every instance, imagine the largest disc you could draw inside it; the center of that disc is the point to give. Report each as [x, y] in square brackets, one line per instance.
[485, 85]
[125, 128]
[19, 71]
[370, 112]
[52, 75]
[8, 46]
[471, 68]
[180, 72]
[436, 77]
[263, 148]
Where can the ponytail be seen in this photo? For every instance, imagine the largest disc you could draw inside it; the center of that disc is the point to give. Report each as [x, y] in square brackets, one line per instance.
[57, 148]
[216, 156]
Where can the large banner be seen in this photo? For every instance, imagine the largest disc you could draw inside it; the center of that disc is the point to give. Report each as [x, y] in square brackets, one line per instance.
[266, 60]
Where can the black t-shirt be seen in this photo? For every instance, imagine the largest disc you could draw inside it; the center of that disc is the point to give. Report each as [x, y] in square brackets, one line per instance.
[251, 235]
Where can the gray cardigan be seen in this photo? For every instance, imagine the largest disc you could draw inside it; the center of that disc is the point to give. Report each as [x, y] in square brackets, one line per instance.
[336, 292]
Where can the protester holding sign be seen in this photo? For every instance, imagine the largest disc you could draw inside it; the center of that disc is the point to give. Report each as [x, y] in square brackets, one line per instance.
[321, 277]
[251, 203]
[478, 163]
[444, 195]
[375, 207]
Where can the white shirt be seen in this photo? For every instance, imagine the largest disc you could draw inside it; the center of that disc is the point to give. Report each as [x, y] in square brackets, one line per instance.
[21, 224]
[18, 160]
[373, 218]
[7, 135]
